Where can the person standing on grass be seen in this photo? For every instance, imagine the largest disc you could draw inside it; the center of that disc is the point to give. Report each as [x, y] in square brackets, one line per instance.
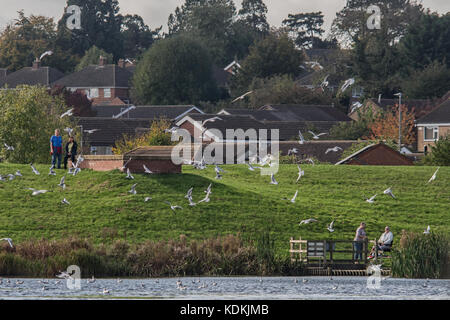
[56, 148]
[358, 241]
[71, 151]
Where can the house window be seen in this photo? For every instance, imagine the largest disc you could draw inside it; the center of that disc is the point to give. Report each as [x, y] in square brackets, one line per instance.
[107, 93]
[94, 150]
[357, 92]
[431, 133]
[94, 93]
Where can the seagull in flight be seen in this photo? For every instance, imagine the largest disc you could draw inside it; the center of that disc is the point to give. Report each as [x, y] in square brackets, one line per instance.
[301, 173]
[124, 112]
[46, 53]
[434, 176]
[208, 190]
[64, 275]
[293, 150]
[317, 136]
[173, 207]
[324, 83]
[171, 130]
[9, 241]
[356, 106]
[213, 119]
[133, 189]
[330, 227]
[191, 202]
[69, 131]
[37, 192]
[189, 193]
[313, 64]
[335, 149]
[302, 140]
[64, 201]
[252, 168]
[371, 200]
[218, 176]
[34, 169]
[388, 191]
[18, 174]
[242, 97]
[147, 199]
[62, 183]
[294, 197]
[67, 113]
[129, 176]
[125, 165]
[347, 84]
[52, 172]
[147, 170]
[91, 131]
[427, 231]
[307, 221]
[9, 148]
[273, 181]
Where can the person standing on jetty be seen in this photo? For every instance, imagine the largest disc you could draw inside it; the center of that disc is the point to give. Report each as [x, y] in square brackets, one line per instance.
[56, 148]
[360, 236]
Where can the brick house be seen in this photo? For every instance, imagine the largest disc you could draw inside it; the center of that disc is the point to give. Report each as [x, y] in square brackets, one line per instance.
[433, 126]
[377, 155]
[104, 84]
[33, 76]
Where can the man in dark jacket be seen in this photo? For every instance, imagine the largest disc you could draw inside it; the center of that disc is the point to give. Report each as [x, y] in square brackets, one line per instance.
[71, 151]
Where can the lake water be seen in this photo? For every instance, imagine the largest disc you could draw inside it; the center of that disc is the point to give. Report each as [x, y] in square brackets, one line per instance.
[240, 288]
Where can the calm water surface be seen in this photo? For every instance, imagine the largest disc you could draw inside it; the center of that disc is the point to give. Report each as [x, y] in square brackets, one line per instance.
[241, 288]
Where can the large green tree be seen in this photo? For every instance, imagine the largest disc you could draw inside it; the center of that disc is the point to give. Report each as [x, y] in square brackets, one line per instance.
[27, 38]
[177, 70]
[306, 28]
[101, 25]
[211, 21]
[431, 82]
[137, 36]
[28, 118]
[275, 55]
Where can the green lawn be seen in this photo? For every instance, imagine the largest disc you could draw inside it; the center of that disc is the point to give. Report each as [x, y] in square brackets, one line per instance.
[242, 202]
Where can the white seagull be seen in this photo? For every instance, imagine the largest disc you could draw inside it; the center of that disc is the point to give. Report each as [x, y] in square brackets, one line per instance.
[301, 173]
[294, 197]
[330, 227]
[189, 193]
[335, 149]
[388, 191]
[307, 221]
[293, 150]
[91, 131]
[129, 176]
[317, 136]
[123, 112]
[133, 189]
[9, 148]
[347, 84]
[173, 207]
[147, 170]
[371, 200]
[427, 231]
[69, 131]
[273, 181]
[434, 176]
[147, 199]
[46, 53]
[9, 241]
[37, 192]
[213, 119]
[64, 201]
[34, 169]
[62, 183]
[125, 165]
[18, 173]
[302, 140]
[67, 113]
[242, 97]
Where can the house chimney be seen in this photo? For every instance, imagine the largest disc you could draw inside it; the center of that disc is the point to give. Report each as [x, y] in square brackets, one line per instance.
[36, 64]
[102, 61]
[121, 63]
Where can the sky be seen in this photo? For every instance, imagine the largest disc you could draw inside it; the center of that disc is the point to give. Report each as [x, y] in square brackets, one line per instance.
[156, 12]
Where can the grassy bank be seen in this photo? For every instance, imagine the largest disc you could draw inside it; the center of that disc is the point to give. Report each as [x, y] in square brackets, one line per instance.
[243, 202]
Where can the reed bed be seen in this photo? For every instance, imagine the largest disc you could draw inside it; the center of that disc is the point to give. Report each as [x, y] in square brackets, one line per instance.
[422, 256]
[221, 256]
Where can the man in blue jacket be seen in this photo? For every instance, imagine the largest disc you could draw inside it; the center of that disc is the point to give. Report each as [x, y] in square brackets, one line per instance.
[56, 148]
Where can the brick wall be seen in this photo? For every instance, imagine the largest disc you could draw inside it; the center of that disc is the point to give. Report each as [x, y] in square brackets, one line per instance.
[443, 131]
[109, 163]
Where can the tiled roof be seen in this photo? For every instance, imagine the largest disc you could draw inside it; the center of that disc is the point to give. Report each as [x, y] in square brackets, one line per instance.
[440, 115]
[316, 149]
[421, 106]
[145, 112]
[96, 76]
[110, 130]
[287, 112]
[30, 76]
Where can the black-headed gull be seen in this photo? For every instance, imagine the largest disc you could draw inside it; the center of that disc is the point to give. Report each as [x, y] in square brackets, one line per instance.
[301, 173]
[317, 136]
[330, 227]
[307, 221]
[9, 241]
[434, 176]
[371, 200]
[335, 149]
[388, 192]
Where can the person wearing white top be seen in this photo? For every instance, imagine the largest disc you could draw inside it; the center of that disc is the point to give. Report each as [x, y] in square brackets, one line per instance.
[384, 243]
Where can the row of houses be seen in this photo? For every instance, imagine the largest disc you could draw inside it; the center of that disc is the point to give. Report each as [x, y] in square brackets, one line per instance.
[108, 87]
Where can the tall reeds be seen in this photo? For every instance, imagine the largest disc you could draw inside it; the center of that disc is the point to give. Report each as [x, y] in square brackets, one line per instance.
[422, 256]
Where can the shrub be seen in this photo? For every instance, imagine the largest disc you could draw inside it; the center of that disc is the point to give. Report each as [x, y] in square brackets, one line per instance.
[440, 153]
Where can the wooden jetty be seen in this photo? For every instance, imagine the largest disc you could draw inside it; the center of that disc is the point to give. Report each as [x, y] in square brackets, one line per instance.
[332, 257]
